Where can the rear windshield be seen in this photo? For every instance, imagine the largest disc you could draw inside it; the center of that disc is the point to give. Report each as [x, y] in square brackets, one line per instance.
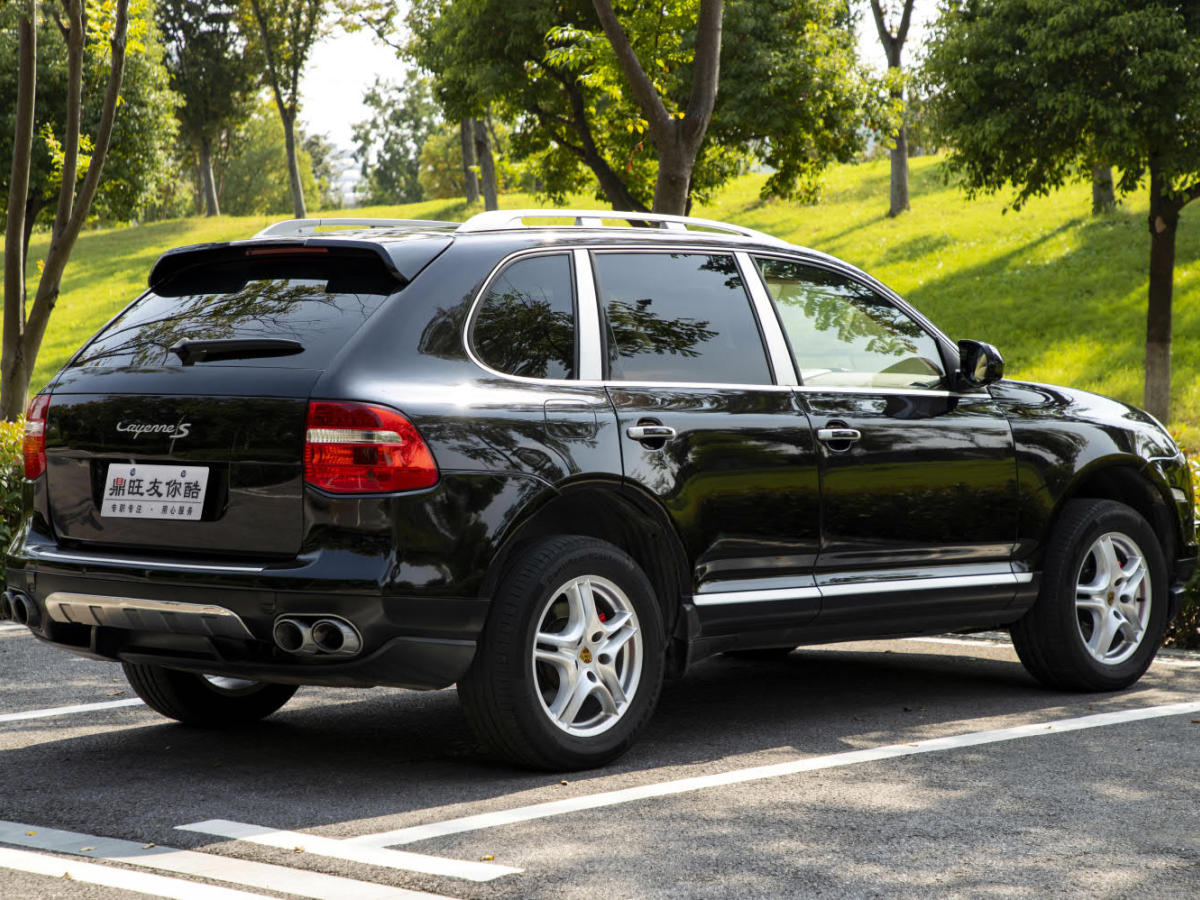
[285, 311]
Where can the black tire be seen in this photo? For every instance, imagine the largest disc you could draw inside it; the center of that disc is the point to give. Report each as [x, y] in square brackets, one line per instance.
[1050, 639]
[506, 696]
[194, 700]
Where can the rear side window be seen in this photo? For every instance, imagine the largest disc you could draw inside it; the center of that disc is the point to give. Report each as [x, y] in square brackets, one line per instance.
[314, 301]
[679, 317]
[526, 322]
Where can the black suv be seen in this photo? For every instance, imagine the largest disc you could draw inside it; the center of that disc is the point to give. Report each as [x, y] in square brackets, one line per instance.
[553, 460]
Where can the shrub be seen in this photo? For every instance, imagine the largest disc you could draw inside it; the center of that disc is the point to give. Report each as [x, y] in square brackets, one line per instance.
[12, 479]
[1185, 630]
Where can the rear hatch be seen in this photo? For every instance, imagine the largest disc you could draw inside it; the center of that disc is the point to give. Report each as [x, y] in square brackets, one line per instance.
[180, 426]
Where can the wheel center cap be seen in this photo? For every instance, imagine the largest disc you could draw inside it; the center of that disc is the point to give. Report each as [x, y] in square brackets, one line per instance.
[585, 655]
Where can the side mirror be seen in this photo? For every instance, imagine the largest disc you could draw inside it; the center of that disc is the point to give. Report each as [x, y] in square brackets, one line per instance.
[979, 364]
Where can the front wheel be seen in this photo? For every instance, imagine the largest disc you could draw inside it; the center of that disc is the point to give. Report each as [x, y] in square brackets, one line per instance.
[209, 700]
[1102, 607]
[571, 661]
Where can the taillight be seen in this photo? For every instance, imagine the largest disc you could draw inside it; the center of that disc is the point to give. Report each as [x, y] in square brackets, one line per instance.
[356, 448]
[34, 444]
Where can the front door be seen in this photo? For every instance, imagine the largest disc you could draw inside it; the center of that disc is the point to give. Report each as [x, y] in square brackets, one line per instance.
[918, 482]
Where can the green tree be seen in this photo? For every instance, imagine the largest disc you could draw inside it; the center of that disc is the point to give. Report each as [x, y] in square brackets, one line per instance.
[25, 326]
[387, 146]
[142, 135]
[286, 32]
[254, 173]
[790, 91]
[210, 70]
[892, 34]
[1038, 92]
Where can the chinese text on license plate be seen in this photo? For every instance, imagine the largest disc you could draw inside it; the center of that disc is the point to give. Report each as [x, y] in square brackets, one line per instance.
[154, 492]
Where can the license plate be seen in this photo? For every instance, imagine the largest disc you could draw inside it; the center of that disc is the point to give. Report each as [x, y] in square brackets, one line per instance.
[154, 492]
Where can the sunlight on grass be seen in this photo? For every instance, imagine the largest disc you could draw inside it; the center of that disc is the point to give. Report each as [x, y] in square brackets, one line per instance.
[1062, 294]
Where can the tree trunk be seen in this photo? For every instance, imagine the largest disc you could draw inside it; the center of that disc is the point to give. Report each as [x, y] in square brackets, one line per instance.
[211, 206]
[1104, 198]
[1164, 219]
[898, 196]
[14, 379]
[466, 138]
[289, 137]
[487, 165]
[675, 164]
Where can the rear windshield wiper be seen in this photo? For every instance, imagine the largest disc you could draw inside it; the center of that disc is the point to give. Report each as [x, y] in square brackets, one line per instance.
[191, 352]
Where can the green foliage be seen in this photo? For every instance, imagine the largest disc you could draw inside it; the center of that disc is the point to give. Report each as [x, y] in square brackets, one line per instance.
[254, 174]
[388, 145]
[208, 65]
[143, 133]
[791, 91]
[1034, 93]
[12, 481]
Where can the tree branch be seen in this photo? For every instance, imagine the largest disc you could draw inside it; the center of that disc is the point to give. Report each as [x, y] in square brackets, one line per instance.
[269, 54]
[73, 33]
[643, 89]
[707, 70]
[61, 244]
[905, 20]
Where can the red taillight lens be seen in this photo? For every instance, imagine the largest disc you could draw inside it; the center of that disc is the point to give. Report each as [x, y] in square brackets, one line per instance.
[34, 444]
[355, 448]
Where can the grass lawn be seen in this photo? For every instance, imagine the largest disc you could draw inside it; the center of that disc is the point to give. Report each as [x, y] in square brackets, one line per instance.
[1062, 294]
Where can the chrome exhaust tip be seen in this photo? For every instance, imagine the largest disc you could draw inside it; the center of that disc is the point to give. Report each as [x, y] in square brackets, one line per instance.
[336, 637]
[23, 611]
[294, 636]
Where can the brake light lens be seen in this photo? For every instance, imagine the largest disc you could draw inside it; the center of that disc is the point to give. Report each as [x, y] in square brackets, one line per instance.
[34, 444]
[357, 448]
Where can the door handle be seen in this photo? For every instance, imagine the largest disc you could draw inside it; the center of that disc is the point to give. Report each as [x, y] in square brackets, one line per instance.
[650, 432]
[838, 435]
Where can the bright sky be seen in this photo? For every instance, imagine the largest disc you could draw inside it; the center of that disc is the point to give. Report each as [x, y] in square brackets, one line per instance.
[344, 65]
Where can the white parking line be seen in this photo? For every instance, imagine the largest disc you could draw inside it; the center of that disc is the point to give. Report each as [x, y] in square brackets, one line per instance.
[247, 873]
[68, 710]
[110, 876]
[756, 773]
[340, 849]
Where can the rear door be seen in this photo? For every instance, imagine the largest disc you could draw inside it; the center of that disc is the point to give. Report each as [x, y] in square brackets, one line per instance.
[708, 429]
[181, 425]
[918, 482]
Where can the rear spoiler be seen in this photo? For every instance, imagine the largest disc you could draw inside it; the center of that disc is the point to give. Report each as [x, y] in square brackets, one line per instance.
[404, 257]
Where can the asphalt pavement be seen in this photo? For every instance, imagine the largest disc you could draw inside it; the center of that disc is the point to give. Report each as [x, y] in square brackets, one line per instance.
[914, 768]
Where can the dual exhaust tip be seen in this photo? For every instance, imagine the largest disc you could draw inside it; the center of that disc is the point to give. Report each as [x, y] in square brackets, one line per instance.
[317, 635]
[20, 609]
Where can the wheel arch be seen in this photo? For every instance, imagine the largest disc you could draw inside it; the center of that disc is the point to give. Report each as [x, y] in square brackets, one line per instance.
[1130, 482]
[608, 511]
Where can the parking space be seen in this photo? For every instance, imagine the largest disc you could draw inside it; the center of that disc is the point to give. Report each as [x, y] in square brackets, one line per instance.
[873, 769]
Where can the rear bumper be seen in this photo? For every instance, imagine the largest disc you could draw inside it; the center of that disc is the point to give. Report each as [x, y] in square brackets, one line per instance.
[166, 618]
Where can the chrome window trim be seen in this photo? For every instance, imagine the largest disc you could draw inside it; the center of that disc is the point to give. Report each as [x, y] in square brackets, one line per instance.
[587, 318]
[778, 353]
[908, 392]
[862, 587]
[92, 559]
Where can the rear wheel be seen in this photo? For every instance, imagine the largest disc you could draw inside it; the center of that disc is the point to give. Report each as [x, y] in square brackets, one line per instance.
[571, 662]
[1101, 611]
[206, 699]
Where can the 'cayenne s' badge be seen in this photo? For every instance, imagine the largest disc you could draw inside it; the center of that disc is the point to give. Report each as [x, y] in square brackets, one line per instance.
[137, 429]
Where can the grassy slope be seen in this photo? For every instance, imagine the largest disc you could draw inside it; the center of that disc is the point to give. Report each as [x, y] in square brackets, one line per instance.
[1060, 293]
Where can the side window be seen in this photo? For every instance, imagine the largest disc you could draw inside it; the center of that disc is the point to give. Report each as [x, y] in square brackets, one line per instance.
[525, 325]
[679, 317]
[844, 334]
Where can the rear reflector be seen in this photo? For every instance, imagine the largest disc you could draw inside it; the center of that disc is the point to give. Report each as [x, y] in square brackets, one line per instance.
[356, 448]
[34, 444]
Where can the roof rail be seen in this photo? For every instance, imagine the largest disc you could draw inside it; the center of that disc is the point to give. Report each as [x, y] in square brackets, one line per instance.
[502, 219]
[308, 226]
